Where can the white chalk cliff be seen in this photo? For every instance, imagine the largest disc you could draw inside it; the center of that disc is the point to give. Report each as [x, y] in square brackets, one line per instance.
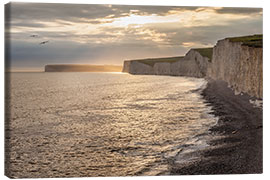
[236, 63]
[239, 65]
[192, 64]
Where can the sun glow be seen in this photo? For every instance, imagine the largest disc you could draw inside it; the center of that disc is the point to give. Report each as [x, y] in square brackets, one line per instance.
[98, 30]
[141, 20]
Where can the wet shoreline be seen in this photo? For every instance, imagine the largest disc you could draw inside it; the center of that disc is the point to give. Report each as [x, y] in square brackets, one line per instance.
[234, 143]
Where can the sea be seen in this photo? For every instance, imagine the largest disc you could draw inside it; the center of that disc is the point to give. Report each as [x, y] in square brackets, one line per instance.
[71, 124]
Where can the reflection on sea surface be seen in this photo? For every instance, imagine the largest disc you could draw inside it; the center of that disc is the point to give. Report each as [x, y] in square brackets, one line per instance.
[100, 124]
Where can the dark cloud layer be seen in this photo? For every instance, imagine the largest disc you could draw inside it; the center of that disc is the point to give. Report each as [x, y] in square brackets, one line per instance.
[35, 12]
[76, 12]
[230, 10]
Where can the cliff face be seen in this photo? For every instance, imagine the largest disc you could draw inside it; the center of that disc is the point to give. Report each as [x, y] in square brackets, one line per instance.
[162, 68]
[126, 66]
[193, 65]
[239, 65]
[135, 67]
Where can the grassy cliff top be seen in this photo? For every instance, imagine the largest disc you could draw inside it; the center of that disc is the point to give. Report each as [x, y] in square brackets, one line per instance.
[152, 61]
[251, 41]
[206, 52]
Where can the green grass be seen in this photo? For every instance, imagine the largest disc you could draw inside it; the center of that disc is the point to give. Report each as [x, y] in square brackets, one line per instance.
[152, 61]
[251, 41]
[206, 52]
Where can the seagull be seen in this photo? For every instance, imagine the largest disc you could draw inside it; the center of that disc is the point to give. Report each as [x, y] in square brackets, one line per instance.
[44, 42]
[34, 35]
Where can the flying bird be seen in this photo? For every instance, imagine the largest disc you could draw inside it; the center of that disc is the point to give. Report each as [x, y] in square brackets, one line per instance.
[44, 42]
[35, 35]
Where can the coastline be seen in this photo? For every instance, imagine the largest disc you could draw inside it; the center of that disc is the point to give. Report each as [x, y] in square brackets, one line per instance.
[234, 143]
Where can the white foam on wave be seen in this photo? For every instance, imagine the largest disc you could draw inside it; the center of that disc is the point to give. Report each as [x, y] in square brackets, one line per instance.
[256, 103]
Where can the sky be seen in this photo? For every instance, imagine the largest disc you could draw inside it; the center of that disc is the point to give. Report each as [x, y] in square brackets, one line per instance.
[110, 34]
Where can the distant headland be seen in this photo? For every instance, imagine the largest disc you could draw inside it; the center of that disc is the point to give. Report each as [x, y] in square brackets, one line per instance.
[82, 68]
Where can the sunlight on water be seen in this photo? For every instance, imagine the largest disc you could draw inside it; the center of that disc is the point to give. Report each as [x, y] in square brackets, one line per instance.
[100, 124]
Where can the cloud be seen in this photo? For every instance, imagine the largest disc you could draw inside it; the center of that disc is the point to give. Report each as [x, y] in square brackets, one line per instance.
[36, 12]
[231, 10]
[53, 11]
[208, 35]
[19, 14]
[188, 44]
[27, 24]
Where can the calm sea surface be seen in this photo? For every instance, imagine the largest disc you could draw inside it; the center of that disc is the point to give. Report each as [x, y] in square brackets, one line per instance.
[100, 124]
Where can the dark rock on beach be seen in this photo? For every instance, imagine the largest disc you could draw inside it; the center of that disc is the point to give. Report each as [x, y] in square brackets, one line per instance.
[234, 143]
